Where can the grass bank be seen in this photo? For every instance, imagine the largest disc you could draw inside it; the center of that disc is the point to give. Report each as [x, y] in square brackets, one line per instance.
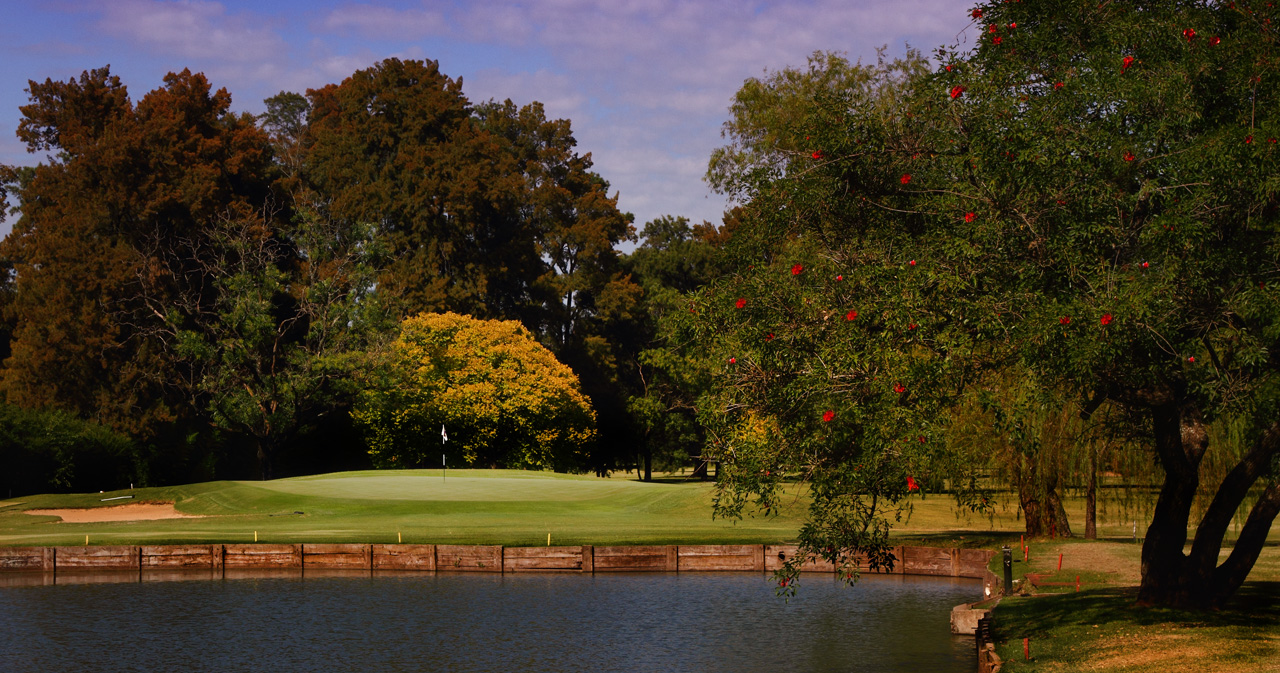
[1101, 629]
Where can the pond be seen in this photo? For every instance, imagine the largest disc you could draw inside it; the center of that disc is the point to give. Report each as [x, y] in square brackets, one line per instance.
[700, 622]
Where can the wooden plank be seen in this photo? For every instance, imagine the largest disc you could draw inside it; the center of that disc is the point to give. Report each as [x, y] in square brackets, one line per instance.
[404, 557]
[344, 556]
[469, 558]
[926, 561]
[521, 559]
[730, 557]
[973, 562]
[178, 556]
[588, 558]
[635, 559]
[112, 557]
[262, 556]
[26, 558]
[757, 557]
[777, 554]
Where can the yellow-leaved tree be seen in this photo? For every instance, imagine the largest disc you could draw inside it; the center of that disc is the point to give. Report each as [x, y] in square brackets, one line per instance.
[504, 398]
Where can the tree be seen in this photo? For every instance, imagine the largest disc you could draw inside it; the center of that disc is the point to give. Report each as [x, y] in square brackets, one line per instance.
[1087, 194]
[274, 342]
[396, 145]
[672, 260]
[504, 399]
[121, 178]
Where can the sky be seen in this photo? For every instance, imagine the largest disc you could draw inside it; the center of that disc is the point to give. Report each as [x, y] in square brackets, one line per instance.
[646, 83]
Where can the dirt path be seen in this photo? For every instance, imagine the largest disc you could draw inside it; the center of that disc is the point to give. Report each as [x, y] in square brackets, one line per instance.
[142, 511]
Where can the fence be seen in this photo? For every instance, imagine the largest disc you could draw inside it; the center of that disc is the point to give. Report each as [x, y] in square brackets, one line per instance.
[933, 561]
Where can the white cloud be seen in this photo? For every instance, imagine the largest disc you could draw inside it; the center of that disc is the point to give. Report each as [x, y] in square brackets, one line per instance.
[384, 22]
[191, 29]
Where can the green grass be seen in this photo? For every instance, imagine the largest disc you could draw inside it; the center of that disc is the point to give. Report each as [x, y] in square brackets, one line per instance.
[1103, 630]
[506, 507]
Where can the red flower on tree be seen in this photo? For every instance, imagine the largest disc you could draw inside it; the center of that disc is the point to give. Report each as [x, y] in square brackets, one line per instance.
[1191, 359]
[740, 303]
[956, 91]
[977, 13]
[817, 154]
[1057, 85]
[899, 388]
[1248, 140]
[828, 416]
[733, 361]
[911, 326]
[991, 28]
[969, 217]
[997, 40]
[1064, 320]
[1128, 156]
[912, 485]
[1213, 41]
[911, 263]
[851, 315]
[840, 277]
[1190, 34]
[795, 270]
[1013, 25]
[768, 337]
[1124, 65]
[1106, 319]
[906, 178]
[1145, 265]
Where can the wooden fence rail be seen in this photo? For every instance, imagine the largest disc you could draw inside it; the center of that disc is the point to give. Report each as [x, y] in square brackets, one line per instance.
[934, 561]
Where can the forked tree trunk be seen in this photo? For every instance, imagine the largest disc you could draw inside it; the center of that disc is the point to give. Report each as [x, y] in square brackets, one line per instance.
[1196, 580]
[1045, 516]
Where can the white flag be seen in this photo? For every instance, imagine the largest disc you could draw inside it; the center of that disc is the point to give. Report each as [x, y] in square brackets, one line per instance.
[444, 436]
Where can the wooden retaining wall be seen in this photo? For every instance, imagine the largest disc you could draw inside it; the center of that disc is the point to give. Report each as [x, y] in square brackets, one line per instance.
[289, 559]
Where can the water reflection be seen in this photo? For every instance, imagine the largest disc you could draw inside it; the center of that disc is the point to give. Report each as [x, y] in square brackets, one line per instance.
[348, 620]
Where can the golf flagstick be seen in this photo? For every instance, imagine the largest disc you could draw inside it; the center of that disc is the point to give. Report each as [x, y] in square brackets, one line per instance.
[444, 438]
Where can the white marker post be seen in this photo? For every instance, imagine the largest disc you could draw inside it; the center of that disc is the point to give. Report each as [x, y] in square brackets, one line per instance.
[444, 438]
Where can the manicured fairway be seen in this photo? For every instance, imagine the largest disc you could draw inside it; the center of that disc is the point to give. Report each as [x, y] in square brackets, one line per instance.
[464, 507]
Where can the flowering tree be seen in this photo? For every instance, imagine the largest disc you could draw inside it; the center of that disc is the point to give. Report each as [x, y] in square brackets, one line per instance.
[504, 398]
[1089, 193]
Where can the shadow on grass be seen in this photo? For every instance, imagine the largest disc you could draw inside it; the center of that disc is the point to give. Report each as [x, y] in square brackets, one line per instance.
[1255, 606]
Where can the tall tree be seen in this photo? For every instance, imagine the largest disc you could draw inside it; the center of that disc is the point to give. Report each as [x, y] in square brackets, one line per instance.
[1087, 192]
[121, 178]
[396, 145]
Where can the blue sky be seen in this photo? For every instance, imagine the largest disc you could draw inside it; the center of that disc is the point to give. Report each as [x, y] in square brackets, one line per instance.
[646, 83]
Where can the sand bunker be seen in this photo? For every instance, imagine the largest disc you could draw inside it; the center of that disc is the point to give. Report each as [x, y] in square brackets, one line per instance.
[141, 511]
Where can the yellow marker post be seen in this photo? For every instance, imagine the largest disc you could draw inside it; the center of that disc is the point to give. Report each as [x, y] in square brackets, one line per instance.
[548, 539]
[86, 540]
[255, 536]
[398, 538]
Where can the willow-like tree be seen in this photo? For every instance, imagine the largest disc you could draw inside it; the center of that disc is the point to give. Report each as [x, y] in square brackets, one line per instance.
[1090, 191]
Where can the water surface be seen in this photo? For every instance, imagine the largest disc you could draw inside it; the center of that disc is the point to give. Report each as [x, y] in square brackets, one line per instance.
[702, 623]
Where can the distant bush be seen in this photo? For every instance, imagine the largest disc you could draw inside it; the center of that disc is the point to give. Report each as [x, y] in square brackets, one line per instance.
[45, 451]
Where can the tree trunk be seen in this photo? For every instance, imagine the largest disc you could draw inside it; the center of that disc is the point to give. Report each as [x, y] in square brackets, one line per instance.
[1091, 498]
[266, 455]
[1042, 507]
[648, 463]
[1196, 580]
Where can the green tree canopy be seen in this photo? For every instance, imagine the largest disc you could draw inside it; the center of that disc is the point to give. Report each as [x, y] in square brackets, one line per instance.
[504, 398]
[1090, 192]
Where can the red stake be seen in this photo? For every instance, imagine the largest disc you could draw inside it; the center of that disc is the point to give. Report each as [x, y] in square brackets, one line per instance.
[1077, 583]
[1026, 648]
[1026, 552]
[1059, 561]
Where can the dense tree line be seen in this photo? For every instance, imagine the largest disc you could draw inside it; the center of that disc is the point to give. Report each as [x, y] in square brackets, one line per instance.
[212, 285]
